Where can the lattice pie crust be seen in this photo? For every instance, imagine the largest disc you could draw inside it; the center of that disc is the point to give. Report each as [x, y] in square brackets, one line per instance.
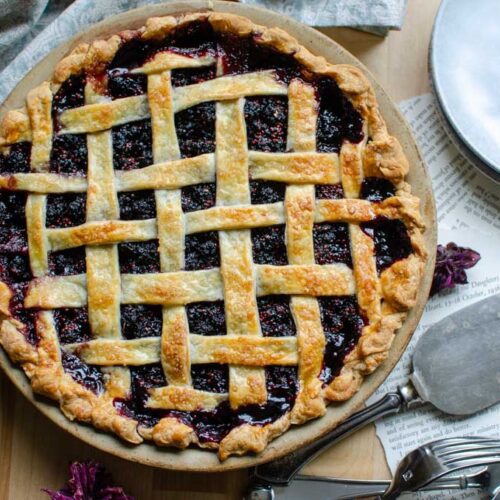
[383, 297]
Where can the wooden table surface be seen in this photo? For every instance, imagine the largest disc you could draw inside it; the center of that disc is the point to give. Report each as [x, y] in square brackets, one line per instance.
[34, 452]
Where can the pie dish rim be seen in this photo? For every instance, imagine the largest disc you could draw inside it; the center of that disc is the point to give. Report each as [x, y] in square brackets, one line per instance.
[253, 460]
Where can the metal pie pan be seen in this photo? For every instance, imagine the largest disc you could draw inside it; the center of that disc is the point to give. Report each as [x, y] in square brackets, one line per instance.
[465, 72]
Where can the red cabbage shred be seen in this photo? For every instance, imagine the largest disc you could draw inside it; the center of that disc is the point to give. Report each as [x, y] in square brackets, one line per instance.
[451, 263]
[88, 481]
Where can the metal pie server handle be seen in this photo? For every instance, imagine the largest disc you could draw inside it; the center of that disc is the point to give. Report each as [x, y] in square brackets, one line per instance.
[283, 470]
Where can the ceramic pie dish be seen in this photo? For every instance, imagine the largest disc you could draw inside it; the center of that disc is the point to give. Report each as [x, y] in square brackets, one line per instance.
[209, 237]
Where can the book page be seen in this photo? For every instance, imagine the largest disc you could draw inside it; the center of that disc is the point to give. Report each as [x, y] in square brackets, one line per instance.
[464, 196]
[468, 207]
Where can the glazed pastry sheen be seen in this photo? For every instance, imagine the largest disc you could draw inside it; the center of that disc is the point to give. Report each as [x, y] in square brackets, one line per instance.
[206, 234]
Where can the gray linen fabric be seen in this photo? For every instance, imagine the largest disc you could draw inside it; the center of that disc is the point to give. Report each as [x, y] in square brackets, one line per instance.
[378, 16]
[21, 21]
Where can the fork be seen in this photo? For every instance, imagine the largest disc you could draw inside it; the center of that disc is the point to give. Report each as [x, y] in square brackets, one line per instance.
[433, 460]
[421, 469]
[486, 478]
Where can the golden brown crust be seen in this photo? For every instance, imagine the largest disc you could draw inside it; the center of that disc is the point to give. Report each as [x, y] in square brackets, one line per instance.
[15, 127]
[70, 65]
[385, 158]
[383, 300]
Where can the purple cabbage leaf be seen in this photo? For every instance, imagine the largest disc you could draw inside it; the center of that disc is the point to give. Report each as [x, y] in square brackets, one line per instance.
[88, 481]
[451, 263]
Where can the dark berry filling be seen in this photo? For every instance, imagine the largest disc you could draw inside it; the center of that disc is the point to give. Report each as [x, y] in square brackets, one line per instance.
[198, 197]
[239, 55]
[236, 52]
[87, 375]
[146, 377]
[137, 205]
[139, 321]
[13, 241]
[132, 145]
[201, 251]
[206, 318]
[212, 425]
[15, 268]
[329, 191]
[143, 378]
[268, 245]
[210, 377]
[191, 76]
[244, 55]
[69, 151]
[377, 189]
[12, 210]
[121, 83]
[195, 39]
[13, 238]
[25, 316]
[195, 128]
[130, 55]
[69, 155]
[342, 324]
[267, 123]
[139, 257]
[17, 159]
[67, 262]
[337, 119]
[262, 192]
[275, 316]
[331, 243]
[282, 386]
[66, 210]
[71, 94]
[391, 239]
[72, 325]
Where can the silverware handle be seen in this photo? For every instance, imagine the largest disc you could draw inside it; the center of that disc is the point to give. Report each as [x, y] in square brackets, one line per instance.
[283, 470]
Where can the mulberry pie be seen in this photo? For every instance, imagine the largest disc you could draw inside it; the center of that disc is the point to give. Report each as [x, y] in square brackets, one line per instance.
[205, 234]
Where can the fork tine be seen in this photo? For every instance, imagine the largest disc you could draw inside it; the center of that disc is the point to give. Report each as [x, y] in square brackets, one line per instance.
[476, 455]
[450, 453]
[473, 462]
[444, 450]
[443, 444]
[471, 447]
[436, 459]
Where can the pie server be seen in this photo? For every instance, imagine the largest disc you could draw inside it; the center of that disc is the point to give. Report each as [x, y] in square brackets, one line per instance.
[456, 367]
